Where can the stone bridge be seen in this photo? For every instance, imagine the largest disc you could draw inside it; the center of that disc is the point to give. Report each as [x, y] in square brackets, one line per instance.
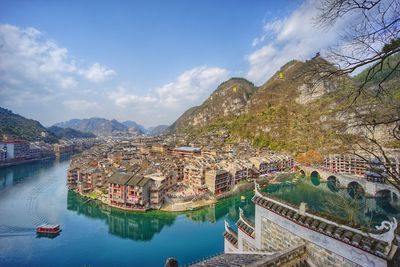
[371, 189]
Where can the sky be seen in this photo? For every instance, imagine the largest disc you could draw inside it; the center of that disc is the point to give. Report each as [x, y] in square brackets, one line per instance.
[146, 61]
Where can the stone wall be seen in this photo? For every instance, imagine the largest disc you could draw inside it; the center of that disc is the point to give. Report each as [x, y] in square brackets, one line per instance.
[322, 257]
[276, 238]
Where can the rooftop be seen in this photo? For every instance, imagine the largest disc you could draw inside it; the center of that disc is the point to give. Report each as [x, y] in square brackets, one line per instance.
[188, 149]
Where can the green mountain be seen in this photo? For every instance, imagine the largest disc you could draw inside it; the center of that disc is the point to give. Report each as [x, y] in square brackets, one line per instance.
[98, 126]
[229, 99]
[157, 130]
[15, 126]
[69, 133]
[292, 111]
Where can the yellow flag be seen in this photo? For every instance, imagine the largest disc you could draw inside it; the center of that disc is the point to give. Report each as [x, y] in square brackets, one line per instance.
[281, 75]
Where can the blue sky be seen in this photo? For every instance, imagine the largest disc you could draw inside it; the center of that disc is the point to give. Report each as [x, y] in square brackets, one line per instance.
[146, 61]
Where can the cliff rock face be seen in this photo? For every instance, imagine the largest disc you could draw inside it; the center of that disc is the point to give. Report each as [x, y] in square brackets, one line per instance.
[290, 111]
[299, 108]
[229, 99]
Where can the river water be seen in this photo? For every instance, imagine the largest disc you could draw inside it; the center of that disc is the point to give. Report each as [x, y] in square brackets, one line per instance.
[93, 234]
[96, 235]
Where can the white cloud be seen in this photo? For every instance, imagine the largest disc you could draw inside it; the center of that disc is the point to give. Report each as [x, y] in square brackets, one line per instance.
[68, 82]
[98, 73]
[123, 98]
[79, 105]
[191, 86]
[167, 102]
[33, 68]
[293, 37]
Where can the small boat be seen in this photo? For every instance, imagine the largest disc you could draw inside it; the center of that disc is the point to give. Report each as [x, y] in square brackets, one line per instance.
[48, 229]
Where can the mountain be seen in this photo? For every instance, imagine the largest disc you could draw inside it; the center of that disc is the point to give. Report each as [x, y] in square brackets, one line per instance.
[157, 130]
[98, 126]
[229, 99]
[291, 111]
[69, 133]
[132, 124]
[15, 126]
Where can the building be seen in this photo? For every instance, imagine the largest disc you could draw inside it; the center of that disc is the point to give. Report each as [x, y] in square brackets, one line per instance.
[117, 189]
[66, 148]
[3, 152]
[281, 229]
[218, 181]
[34, 151]
[138, 192]
[157, 186]
[129, 190]
[345, 164]
[364, 167]
[185, 151]
[16, 149]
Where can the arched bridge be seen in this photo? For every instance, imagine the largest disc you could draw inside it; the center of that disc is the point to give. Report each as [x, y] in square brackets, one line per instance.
[371, 189]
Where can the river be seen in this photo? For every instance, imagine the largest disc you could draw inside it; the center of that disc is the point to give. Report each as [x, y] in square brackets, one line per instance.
[95, 235]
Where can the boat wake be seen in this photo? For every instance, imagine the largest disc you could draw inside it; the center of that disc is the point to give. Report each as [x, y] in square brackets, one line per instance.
[31, 207]
[7, 231]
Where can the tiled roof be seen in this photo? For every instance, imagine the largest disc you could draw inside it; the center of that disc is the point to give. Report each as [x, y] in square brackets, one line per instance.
[245, 224]
[230, 235]
[369, 244]
[245, 228]
[293, 256]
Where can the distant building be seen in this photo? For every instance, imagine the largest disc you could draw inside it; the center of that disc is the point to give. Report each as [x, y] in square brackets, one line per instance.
[185, 151]
[15, 149]
[60, 149]
[355, 165]
[3, 152]
[35, 151]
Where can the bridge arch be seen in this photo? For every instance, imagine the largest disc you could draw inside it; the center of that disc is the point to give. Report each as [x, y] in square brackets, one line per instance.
[386, 193]
[333, 183]
[315, 178]
[355, 189]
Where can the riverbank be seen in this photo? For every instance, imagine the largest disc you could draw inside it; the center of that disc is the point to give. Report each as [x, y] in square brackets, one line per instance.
[24, 161]
[243, 187]
[186, 206]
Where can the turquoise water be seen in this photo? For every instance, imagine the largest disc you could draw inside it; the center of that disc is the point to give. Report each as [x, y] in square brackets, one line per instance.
[327, 199]
[95, 235]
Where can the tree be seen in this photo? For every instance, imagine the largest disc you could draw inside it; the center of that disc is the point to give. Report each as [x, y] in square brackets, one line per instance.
[370, 39]
[370, 45]
[309, 157]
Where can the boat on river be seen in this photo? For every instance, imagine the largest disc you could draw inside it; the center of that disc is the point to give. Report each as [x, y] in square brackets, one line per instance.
[48, 229]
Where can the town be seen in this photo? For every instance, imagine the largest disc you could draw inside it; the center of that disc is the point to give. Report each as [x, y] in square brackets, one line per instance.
[171, 173]
[150, 173]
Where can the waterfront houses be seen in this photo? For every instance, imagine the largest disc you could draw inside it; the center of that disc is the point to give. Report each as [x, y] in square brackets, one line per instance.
[358, 165]
[140, 174]
[218, 181]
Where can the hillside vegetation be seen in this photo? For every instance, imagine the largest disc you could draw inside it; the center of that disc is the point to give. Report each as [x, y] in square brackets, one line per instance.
[294, 111]
[15, 126]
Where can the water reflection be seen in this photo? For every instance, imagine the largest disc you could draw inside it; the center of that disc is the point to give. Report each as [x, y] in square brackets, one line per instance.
[143, 226]
[12, 175]
[326, 199]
